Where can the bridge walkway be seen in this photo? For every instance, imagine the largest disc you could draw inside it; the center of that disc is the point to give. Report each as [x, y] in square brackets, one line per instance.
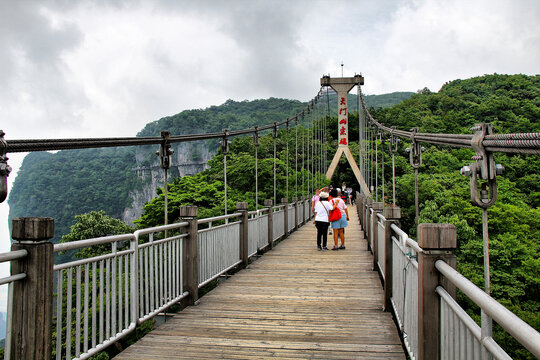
[293, 303]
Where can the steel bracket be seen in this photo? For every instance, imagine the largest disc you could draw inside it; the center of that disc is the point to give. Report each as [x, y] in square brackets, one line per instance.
[394, 141]
[165, 151]
[415, 153]
[484, 168]
[256, 136]
[484, 160]
[225, 143]
[5, 169]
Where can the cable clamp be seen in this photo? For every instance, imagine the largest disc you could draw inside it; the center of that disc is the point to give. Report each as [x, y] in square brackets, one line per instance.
[5, 169]
[165, 151]
[394, 141]
[484, 168]
[225, 143]
[256, 136]
[415, 151]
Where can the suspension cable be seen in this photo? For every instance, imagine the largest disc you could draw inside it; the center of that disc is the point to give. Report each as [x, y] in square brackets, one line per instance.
[287, 160]
[296, 156]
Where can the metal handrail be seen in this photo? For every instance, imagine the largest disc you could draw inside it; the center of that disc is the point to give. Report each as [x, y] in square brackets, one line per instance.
[91, 242]
[490, 344]
[519, 329]
[407, 240]
[218, 218]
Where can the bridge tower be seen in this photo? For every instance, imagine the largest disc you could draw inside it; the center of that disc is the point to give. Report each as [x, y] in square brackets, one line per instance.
[342, 86]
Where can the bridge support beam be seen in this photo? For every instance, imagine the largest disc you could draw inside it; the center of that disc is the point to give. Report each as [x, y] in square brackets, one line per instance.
[269, 204]
[242, 207]
[31, 312]
[191, 256]
[438, 241]
[392, 216]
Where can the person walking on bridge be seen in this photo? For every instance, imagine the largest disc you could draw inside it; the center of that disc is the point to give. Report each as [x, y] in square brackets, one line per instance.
[339, 225]
[322, 209]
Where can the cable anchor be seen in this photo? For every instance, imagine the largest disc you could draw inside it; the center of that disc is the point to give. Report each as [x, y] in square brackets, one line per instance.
[5, 169]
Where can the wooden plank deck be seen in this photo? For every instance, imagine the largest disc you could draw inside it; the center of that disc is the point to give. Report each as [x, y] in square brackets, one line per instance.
[293, 303]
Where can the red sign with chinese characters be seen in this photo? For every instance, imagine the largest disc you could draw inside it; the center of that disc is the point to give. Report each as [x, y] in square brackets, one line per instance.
[343, 136]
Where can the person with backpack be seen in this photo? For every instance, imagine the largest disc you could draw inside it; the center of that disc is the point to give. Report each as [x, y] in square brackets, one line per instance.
[339, 225]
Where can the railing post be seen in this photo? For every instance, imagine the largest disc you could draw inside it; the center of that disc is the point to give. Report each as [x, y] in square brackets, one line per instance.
[191, 256]
[285, 202]
[295, 200]
[437, 241]
[392, 214]
[242, 207]
[377, 209]
[269, 204]
[31, 312]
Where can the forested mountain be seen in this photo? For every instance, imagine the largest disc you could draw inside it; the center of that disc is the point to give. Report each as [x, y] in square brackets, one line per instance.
[121, 180]
[511, 103]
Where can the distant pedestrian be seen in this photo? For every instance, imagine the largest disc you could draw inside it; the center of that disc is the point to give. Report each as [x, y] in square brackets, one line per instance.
[322, 210]
[339, 225]
[315, 199]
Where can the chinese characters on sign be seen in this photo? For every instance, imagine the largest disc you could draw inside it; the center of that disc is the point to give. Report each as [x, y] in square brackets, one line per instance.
[343, 126]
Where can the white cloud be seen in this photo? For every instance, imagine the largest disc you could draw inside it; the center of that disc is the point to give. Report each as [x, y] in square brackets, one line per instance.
[101, 68]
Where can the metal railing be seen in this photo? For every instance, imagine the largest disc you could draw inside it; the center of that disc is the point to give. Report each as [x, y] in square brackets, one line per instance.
[218, 248]
[458, 335]
[133, 277]
[380, 245]
[9, 280]
[291, 217]
[279, 222]
[405, 288]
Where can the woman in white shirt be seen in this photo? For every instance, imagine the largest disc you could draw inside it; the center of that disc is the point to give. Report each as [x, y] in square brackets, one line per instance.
[321, 210]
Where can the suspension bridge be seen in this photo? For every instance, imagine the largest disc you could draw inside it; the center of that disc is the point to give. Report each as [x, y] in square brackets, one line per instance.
[386, 296]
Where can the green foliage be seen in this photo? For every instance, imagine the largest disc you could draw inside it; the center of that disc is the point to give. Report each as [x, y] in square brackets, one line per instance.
[511, 103]
[93, 225]
[73, 182]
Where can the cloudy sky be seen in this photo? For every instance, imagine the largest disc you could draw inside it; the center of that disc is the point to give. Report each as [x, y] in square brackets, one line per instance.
[106, 68]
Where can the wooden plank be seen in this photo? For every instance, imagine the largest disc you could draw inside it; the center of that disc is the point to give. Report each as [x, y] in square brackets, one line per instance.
[293, 303]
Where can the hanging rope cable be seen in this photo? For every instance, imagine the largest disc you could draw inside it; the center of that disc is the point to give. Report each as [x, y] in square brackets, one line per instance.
[376, 169]
[274, 134]
[382, 166]
[296, 156]
[287, 157]
[393, 148]
[256, 144]
[308, 189]
[303, 158]
[225, 151]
